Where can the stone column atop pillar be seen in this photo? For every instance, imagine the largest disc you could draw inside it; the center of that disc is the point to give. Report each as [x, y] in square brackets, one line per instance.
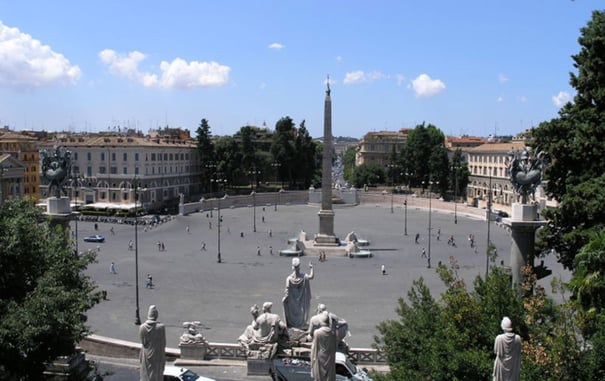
[326, 214]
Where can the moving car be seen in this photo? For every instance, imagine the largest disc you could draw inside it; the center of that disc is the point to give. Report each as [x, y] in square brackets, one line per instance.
[176, 373]
[94, 238]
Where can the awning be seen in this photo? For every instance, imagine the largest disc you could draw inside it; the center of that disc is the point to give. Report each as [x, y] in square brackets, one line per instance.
[110, 205]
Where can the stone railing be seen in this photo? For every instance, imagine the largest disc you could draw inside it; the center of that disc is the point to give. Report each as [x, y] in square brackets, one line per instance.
[105, 346]
[268, 199]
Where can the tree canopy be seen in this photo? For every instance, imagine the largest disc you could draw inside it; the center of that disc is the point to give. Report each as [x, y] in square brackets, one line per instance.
[575, 145]
[44, 292]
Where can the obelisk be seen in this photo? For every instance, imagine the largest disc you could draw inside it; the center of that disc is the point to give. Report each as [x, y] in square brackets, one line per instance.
[326, 235]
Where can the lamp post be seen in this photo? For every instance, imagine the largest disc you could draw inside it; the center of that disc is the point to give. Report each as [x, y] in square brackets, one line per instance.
[137, 318]
[489, 217]
[455, 194]
[253, 194]
[405, 205]
[275, 165]
[75, 182]
[430, 183]
[220, 220]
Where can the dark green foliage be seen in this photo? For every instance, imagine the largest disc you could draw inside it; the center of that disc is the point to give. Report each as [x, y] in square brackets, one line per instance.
[348, 161]
[370, 174]
[575, 145]
[44, 292]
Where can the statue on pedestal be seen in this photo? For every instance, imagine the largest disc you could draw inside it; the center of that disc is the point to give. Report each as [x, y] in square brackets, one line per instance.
[55, 167]
[266, 335]
[297, 298]
[525, 172]
[339, 326]
[507, 348]
[153, 349]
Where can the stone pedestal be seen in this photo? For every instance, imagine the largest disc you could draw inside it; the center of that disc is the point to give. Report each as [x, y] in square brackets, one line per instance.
[523, 224]
[195, 351]
[58, 206]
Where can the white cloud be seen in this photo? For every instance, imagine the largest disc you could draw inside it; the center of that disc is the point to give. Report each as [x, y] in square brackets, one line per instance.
[276, 46]
[500, 99]
[176, 74]
[561, 99]
[360, 76]
[26, 62]
[522, 98]
[502, 78]
[425, 86]
[339, 58]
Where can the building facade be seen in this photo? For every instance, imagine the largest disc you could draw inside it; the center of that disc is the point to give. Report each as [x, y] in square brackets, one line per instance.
[110, 170]
[24, 148]
[377, 147]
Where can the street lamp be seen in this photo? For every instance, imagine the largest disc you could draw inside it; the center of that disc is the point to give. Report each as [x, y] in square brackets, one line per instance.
[429, 235]
[405, 205]
[276, 166]
[75, 182]
[278, 198]
[220, 220]
[253, 194]
[137, 318]
[254, 174]
[456, 194]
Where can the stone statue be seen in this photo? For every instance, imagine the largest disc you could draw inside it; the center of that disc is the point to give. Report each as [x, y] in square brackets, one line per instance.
[153, 349]
[247, 337]
[55, 166]
[297, 298]
[323, 350]
[507, 348]
[339, 326]
[192, 335]
[269, 328]
[525, 172]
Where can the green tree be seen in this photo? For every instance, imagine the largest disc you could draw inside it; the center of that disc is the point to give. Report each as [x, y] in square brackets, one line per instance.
[575, 145]
[283, 148]
[205, 149]
[348, 161]
[369, 174]
[425, 158]
[44, 292]
[306, 161]
[459, 174]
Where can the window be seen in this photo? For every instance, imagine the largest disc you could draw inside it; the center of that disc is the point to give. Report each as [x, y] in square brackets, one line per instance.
[153, 157]
[136, 170]
[102, 195]
[88, 156]
[102, 156]
[113, 170]
[125, 196]
[113, 156]
[165, 156]
[171, 157]
[136, 156]
[125, 156]
[102, 170]
[125, 170]
[75, 156]
[89, 171]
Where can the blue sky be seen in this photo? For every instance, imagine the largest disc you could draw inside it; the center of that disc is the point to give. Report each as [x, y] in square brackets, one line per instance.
[469, 67]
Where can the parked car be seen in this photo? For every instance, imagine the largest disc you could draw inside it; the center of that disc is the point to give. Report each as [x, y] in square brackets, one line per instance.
[176, 373]
[299, 369]
[94, 238]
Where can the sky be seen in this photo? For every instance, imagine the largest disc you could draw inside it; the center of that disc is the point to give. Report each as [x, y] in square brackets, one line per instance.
[475, 67]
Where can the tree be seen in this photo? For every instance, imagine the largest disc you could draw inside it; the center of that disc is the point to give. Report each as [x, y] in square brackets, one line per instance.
[44, 292]
[283, 148]
[575, 145]
[205, 149]
[305, 160]
[368, 174]
[460, 174]
[425, 158]
[348, 161]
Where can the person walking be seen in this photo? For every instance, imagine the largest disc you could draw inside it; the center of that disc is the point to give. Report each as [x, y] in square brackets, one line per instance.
[149, 283]
[203, 246]
[423, 253]
[187, 229]
[438, 234]
[258, 250]
[383, 270]
[112, 268]
[417, 238]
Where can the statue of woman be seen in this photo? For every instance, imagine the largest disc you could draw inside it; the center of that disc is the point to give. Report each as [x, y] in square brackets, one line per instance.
[507, 348]
[297, 299]
[153, 349]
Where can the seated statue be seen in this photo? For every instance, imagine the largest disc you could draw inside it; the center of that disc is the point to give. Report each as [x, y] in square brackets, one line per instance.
[339, 326]
[247, 337]
[269, 328]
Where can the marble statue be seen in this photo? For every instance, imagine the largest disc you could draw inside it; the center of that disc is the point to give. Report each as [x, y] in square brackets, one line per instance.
[339, 326]
[525, 172]
[192, 335]
[247, 337]
[507, 347]
[269, 328]
[297, 298]
[55, 167]
[153, 349]
[323, 350]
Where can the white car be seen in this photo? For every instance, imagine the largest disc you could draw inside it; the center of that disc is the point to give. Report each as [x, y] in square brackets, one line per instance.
[176, 373]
